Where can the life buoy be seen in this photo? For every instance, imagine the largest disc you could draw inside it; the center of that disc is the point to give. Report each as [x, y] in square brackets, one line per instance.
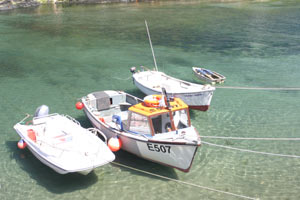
[152, 100]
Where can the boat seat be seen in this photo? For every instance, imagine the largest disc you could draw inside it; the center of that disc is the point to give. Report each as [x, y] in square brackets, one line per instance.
[102, 100]
[123, 115]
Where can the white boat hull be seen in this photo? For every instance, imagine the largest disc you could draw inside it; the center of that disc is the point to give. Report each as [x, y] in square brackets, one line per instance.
[57, 169]
[173, 152]
[179, 156]
[67, 147]
[196, 96]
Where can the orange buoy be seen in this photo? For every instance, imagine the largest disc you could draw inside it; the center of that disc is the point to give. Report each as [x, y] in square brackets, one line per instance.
[114, 144]
[79, 105]
[102, 119]
[152, 100]
[31, 134]
[22, 144]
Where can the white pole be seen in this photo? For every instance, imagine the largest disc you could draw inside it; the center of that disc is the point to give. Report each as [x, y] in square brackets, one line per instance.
[151, 46]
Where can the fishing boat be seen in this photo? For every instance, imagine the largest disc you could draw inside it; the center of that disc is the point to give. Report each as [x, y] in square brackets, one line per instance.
[150, 82]
[62, 144]
[156, 128]
[208, 76]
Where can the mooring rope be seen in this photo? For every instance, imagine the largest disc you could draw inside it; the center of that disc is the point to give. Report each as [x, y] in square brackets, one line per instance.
[251, 138]
[236, 87]
[183, 182]
[122, 79]
[257, 88]
[251, 151]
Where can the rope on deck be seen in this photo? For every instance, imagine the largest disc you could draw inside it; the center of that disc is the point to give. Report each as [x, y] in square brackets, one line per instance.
[183, 182]
[258, 88]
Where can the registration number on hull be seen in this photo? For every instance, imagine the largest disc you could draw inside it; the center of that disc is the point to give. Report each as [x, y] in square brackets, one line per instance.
[159, 148]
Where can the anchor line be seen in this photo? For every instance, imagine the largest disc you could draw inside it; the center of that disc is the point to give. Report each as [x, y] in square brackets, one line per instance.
[238, 88]
[251, 151]
[257, 88]
[122, 79]
[249, 138]
[183, 182]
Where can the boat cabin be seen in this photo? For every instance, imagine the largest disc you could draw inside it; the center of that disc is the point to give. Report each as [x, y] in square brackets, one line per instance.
[150, 118]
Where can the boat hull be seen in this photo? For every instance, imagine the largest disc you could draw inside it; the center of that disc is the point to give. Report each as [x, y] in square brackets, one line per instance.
[54, 167]
[178, 155]
[195, 100]
[66, 147]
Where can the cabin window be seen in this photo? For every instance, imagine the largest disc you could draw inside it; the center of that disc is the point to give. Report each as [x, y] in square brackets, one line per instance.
[181, 119]
[139, 124]
[161, 123]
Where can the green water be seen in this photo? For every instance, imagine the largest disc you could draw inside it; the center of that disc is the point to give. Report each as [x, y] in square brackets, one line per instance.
[54, 55]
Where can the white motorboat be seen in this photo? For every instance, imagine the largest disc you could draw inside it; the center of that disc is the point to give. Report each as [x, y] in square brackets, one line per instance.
[208, 76]
[151, 82]
[61, 143]
[156, 129]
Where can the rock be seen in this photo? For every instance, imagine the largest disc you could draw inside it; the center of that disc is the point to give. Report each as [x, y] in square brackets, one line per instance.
[12, 4]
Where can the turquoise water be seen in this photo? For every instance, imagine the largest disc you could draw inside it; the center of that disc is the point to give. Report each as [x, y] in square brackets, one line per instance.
[54, 55]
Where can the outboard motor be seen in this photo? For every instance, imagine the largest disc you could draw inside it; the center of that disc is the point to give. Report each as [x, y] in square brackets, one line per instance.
[132, 70]
[41, 111]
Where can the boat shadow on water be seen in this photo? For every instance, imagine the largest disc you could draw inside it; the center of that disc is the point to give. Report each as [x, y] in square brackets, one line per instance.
[141, 167]
[45, 176]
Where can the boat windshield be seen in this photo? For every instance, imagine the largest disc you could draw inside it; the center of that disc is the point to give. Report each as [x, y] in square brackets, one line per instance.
[139, 124]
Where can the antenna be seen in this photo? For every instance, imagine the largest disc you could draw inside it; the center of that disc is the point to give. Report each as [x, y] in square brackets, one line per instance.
[151, 45]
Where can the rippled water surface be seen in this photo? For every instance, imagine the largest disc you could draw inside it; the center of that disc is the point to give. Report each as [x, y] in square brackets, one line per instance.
[54, 55]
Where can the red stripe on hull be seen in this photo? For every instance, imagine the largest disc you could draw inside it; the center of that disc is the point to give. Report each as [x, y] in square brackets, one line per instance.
[201, 108]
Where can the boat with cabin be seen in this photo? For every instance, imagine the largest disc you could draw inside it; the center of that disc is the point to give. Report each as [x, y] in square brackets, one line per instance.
[156, 128]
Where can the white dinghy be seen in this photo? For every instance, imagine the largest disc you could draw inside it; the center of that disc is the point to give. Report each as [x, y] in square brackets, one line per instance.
[62, 144]
[156, 128]
[196, 96]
